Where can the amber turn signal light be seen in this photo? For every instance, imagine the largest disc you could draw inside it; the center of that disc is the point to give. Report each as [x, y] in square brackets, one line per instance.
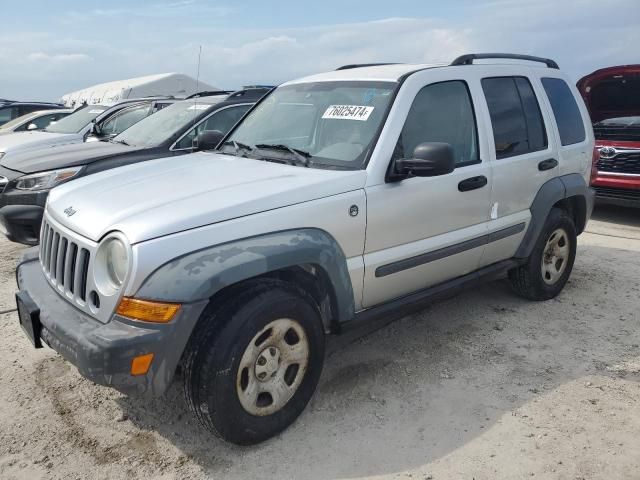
[147, 311]
[140, 364]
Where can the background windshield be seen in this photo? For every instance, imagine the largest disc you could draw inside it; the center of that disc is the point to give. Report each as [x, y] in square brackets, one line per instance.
[16, 121]
[75, 122]
[333, 121]
[160, 126]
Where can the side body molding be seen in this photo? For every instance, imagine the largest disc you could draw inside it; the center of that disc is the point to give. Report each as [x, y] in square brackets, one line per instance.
[201, 274]
[556, 189]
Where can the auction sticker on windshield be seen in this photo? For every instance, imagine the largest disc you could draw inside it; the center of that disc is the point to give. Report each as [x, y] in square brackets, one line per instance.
[96, 111]
[198, 107]
[348, 112]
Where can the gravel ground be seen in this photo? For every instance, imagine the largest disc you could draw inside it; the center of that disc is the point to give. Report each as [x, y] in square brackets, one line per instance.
[482, 386]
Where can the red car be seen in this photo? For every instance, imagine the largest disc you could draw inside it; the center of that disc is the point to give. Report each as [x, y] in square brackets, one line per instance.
[612, 96]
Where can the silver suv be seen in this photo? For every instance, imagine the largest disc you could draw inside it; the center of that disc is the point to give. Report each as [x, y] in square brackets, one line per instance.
[338, 198]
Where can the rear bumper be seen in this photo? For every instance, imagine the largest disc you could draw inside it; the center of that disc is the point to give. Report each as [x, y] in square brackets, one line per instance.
[623, 190]
[103, 352]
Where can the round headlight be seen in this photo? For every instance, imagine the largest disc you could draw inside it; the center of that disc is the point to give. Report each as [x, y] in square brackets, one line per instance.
[111, 264]
[117, 261]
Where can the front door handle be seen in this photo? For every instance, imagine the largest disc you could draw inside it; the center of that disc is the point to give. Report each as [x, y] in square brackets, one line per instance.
[472, 183]
[547, 164]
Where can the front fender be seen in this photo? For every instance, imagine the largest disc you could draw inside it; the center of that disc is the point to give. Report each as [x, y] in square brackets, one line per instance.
[201, 274]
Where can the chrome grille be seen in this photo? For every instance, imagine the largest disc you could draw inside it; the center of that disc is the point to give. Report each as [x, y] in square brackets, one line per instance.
[623, 161]
[67, 259]
[3, 183]
[64, 262]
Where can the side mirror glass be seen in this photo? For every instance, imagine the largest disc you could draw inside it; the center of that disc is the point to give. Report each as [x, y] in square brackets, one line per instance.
[208, 140]
[32, 126]
[429, 160]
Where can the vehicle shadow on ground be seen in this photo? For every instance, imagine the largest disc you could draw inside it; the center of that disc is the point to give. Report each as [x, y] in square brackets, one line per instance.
[618, 215]
[407, 394]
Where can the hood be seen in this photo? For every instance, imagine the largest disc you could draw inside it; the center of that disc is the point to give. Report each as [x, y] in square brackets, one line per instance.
[41, 159]
[23, 141]
[169, 195]
[612, 92]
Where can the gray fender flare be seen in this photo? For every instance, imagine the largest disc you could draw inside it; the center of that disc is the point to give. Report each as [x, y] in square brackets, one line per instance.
[201, 274]
[556, 189]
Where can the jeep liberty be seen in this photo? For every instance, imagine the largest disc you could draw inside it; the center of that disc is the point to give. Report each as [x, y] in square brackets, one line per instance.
[339, 198]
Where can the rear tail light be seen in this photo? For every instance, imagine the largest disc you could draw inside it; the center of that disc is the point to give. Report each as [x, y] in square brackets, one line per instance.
[594, 165]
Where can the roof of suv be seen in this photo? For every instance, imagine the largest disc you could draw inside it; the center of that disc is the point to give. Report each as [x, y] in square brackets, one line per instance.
[392, 72]
[386, 73]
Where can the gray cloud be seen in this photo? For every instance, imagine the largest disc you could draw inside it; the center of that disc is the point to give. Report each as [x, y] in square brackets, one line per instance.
[576, 34]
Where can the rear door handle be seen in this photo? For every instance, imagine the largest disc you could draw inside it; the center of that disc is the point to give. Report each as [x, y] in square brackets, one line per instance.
[547, 164]
[472, 183]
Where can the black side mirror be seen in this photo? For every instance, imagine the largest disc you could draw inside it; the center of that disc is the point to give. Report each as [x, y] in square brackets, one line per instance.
[208, 140]
[429, 160]
[96, 130]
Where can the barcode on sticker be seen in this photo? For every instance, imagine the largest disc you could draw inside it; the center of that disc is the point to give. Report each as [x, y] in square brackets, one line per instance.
[348, 112]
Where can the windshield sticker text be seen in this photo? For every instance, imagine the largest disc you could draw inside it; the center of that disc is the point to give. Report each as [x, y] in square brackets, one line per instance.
[348, 112]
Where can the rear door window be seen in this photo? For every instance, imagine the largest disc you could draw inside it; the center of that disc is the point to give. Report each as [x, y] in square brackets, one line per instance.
[517, 123]
[565, 110]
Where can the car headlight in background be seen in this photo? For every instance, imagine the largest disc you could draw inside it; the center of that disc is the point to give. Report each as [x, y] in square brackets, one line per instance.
[46, 180]
[112, 264]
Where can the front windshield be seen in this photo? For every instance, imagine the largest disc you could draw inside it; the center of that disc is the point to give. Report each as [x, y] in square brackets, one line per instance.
[75, 122]
[160, 126]
[332, 124]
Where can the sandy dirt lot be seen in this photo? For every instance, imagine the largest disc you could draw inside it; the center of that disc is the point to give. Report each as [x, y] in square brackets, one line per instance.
[482, 386]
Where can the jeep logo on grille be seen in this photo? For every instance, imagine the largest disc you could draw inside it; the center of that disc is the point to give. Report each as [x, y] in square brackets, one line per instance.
[608, 152]
[69, 211]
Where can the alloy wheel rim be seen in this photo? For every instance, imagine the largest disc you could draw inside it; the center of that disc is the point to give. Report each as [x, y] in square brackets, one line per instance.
[272, 367]
[555, 256]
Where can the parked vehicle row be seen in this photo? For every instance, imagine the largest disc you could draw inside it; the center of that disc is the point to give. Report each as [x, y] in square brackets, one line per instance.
[335, 199]
[175, 130]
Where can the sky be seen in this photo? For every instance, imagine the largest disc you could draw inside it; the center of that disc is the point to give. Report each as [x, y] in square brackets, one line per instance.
[50, 48]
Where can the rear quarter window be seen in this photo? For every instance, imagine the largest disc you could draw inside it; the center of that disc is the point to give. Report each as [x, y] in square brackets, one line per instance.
[565, 110]
[516, 120]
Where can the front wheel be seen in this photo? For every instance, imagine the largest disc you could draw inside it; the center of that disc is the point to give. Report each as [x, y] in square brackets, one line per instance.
[255, 363]
[549, 266]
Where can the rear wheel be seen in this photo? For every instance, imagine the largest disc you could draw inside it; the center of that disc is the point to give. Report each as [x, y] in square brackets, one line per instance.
[549, 266]
[254, 365]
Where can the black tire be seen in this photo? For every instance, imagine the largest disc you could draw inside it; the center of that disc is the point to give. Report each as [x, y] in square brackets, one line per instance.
[528, 280]
[213, 357]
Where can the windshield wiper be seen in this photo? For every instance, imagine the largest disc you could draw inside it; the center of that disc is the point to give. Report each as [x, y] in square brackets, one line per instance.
[301, 155]
[238, 146]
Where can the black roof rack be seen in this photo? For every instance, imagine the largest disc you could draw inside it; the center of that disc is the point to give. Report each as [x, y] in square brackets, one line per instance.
[206, 93]
[362, 65]
[469, 58]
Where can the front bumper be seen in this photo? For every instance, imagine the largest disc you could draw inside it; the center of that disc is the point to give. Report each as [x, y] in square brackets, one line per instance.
[21, 215]
[102, 352]
[622, 190]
